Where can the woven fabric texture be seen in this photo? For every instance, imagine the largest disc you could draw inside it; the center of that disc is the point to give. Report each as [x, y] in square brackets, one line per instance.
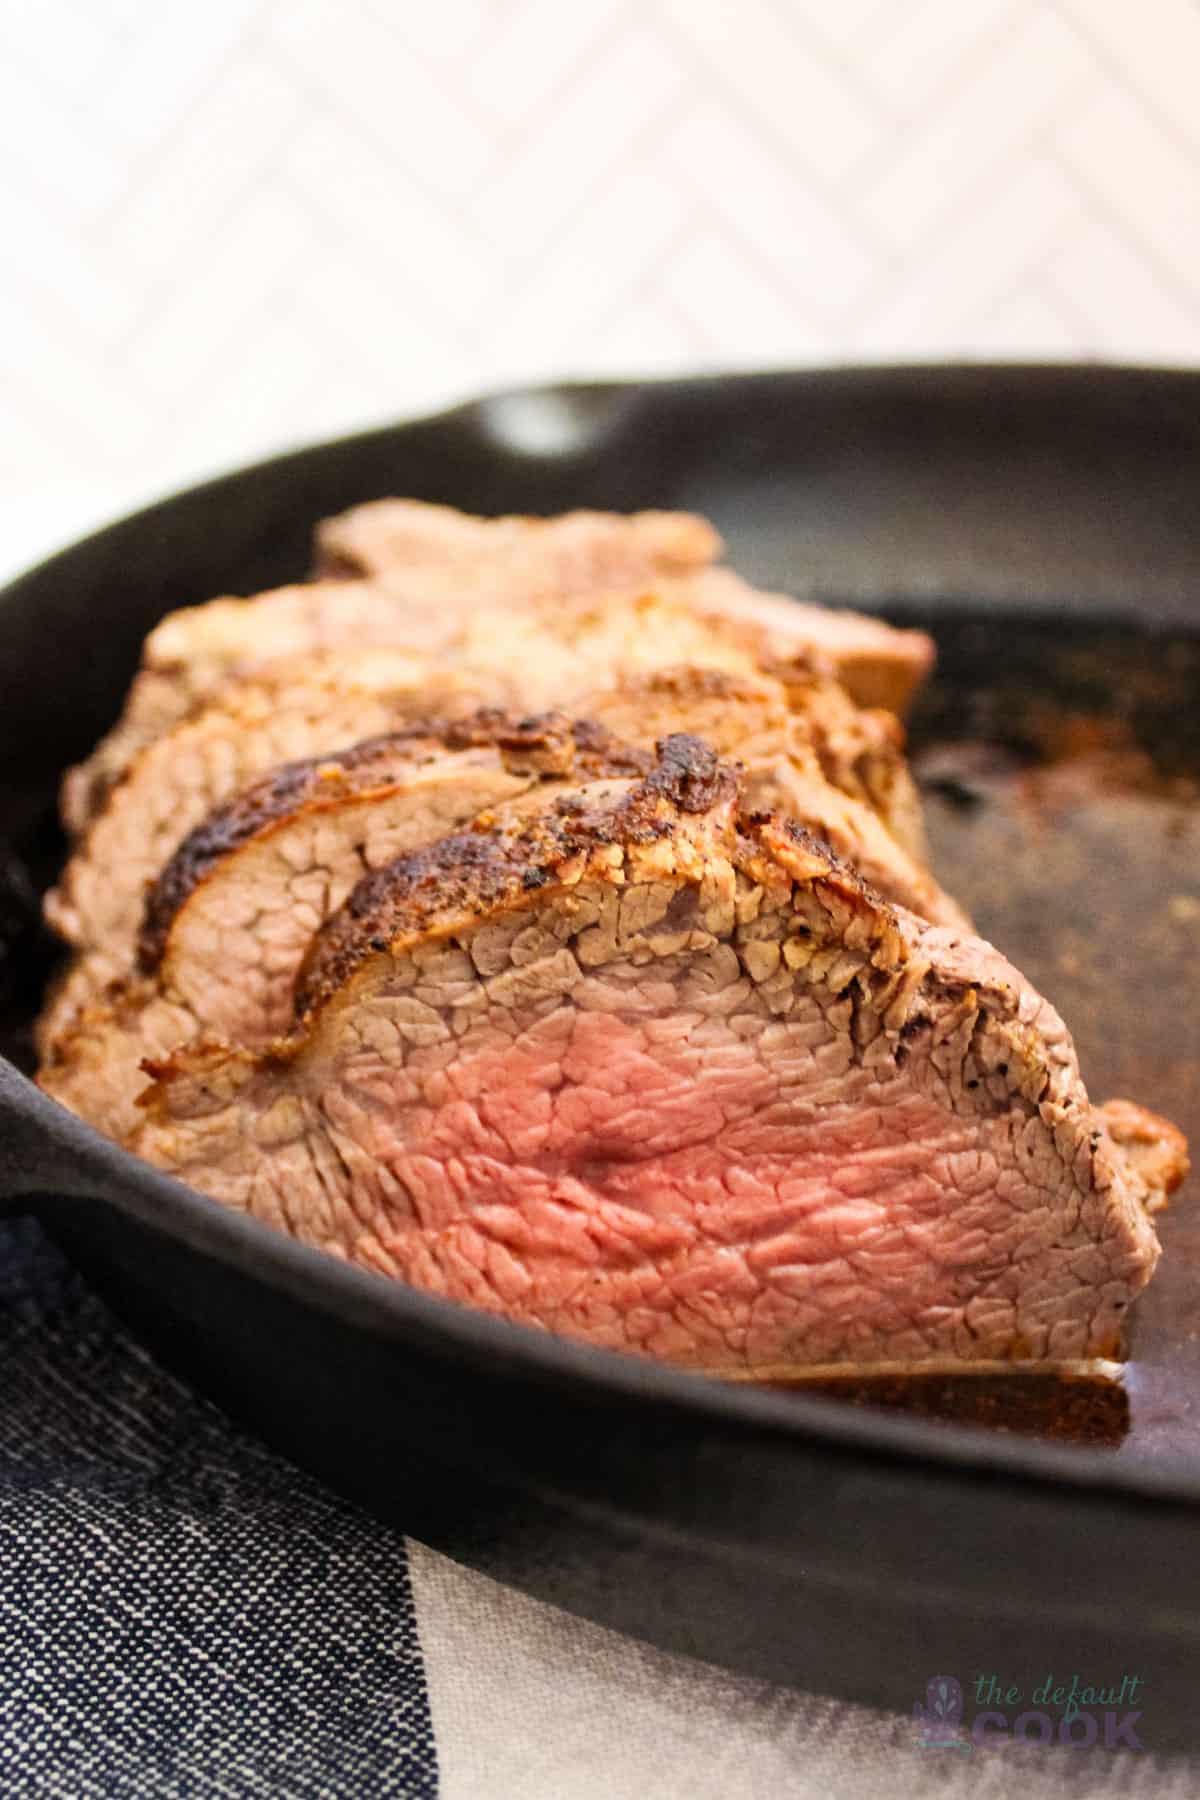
[181, 1612]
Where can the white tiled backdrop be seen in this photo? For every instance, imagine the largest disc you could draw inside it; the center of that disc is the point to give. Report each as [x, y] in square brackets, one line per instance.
[233, 225]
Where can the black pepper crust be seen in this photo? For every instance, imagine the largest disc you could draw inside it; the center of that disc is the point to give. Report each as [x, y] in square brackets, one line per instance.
[546, 745]
[689, 773]
[476, 870]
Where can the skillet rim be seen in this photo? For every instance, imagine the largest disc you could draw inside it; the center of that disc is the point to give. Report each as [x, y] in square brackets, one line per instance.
[364, 1299]
[589, 392]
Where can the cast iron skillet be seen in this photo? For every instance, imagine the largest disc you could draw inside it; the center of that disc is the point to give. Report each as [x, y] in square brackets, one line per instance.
[1045, 523]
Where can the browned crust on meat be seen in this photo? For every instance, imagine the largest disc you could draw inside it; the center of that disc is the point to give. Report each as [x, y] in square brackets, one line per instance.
[853, 745]
[284, 791]
[547, 746]
[92, 788]
[473, 871]
[688, 774]
[1155, 1146]
[690, 681]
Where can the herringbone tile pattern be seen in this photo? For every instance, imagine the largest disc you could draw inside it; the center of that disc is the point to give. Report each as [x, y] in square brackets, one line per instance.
[238, 224]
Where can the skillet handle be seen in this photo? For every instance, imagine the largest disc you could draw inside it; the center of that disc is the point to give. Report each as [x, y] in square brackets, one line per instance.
[46, 1153]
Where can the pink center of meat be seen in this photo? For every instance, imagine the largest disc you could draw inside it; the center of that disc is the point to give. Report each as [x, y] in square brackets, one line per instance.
[658, 1184]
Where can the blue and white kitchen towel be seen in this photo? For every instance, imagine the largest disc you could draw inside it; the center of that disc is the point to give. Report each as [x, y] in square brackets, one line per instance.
[184, 1614]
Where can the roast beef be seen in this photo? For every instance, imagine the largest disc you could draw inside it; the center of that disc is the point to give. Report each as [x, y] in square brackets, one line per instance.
[229, 919]
[289, 712]
[192, 656]
[877, 664]
[296, 709]
[570, 553]
[755, 718]
[804, 752]
[405, 546]
[454, 562]
[552, 604]
[657, 1071]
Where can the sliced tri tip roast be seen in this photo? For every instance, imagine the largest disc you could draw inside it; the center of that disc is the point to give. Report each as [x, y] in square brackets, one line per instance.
[527, 909]
[649, 1069]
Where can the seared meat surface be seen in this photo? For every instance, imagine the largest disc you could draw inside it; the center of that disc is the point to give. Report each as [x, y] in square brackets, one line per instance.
[535, 912]
[173, 783]
[664, 1075]
[576, 552]
[226, 925]
[549, 605]
[406, 546]
[802, 724]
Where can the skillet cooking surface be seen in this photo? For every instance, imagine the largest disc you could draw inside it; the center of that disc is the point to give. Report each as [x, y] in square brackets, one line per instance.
[1042, 523]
